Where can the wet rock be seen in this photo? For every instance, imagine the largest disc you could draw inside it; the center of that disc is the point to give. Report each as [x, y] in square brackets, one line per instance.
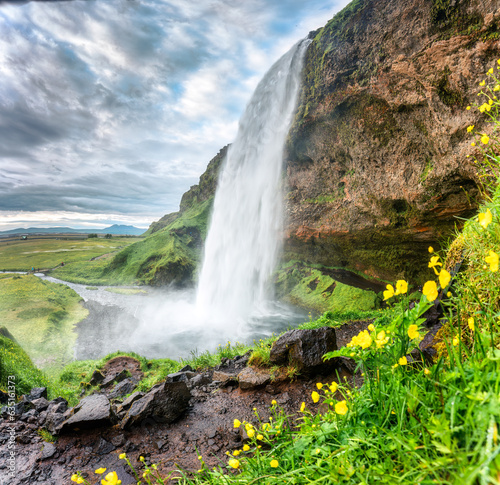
[123, 407]
[304, 349]
[108, 380]
[32, 413]
[40, 404]
[92, 412]
[37, 393]
[48, 451]
[118, 440]
[122, 388]
[58, 406]
[199, 380]
[224, 377]
[250, 378]
[183, 376]
[96, 378]
[104, 447]
[17, 410]
[163, 403]
[187, 368]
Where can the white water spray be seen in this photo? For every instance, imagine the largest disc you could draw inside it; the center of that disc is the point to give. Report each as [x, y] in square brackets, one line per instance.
[243, 241]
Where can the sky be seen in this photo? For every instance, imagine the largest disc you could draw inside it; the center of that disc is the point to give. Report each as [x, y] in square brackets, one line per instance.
[111, 109]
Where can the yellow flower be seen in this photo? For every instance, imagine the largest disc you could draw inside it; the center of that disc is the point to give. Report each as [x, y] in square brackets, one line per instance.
[497, 88]
[492, 260]
[482, 83]
[260, 437]
[341, 408]
[371, 327]
[401, 287]
[470, 322]
[472, 144]
[389, 293]
[122, 456]
[403, 360]
[110, 479]
[100, 471]
[456, 340]
[333, 387]
[434, 262]
[485, 139]
[81, 480]
[274, 464]
[485, 218]
[413, 331]
[444, 278]
[319, 385]
[273, 402]
[315, 397]
[141, 458]
[448, 294]
[246, 447]
[267, 426]
[250, 433]
[236, 452]
[237, 423]
[427, 371]
[470, 128]
[490, 71]
[74, 478]
[468, 108]
[233, 463]
[302, 407]
[430, 290]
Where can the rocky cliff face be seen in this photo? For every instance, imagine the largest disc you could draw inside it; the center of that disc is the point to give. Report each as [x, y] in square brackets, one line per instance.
[377, 163]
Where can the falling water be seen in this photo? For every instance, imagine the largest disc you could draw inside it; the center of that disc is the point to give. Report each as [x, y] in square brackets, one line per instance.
[243, 241]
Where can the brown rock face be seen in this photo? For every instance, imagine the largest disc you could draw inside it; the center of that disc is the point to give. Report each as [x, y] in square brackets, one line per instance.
[377, 163]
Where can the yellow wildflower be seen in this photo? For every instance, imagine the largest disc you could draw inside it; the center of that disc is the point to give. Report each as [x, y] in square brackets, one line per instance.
[470, 128]
[468, 108]
[237, 423]
[472, 144]
[470, 322]
[497, 88]
[302, 407]
[122, 456]
[315, 397]
[492, 260]
[485, 218]
[401, 287]
[100, 471]
[389, 293]
[333, 387]
[413, 331]
[319, 385]
[485, 139]
[250, 433]
[456, 340]
[260, 437]
[490, 71]
[341, 408]
[274, 464]
[246, 448]
[427, 371]
[233, 463]
[371, 327]
[74, 478]
[434, 262]
[430, 290]
[110, 479]
[444, 278]
[482, 83]
[236, 452]
[403, 360]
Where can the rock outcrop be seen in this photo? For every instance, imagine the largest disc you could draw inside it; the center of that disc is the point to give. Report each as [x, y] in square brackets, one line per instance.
[377, 163]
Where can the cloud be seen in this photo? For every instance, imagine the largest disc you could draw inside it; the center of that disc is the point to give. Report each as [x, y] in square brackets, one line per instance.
[119, 105]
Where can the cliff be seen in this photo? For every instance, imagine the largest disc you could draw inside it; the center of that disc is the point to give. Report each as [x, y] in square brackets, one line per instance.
[377, 165]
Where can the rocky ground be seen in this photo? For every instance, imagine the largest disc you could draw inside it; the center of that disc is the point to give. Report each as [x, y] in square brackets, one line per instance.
[191, 414]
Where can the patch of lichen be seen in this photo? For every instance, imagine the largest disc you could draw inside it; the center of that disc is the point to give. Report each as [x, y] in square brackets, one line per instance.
[448, 95]
[450, 18]
[312, 289]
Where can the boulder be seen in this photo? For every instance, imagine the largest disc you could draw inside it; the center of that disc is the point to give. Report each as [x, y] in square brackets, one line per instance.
[163, 403]
[109, 379]
[92, 412]
[96, 378]
[48, 451]
[304, 349]
[122, 389]
[250, 378]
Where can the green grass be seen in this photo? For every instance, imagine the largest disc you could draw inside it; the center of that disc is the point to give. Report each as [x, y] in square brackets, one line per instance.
[49, 253]
[41, 316]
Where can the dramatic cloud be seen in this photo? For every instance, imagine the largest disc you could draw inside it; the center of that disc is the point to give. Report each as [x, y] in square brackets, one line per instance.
[116, 106]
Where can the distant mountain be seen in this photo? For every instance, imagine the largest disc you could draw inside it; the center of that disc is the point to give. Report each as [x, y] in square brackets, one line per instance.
[116, 229]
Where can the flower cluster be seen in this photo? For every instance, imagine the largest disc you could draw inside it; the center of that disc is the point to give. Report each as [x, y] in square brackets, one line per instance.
[401, 289]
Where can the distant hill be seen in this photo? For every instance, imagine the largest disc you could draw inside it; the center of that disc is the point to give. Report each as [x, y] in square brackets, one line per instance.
[116, 229]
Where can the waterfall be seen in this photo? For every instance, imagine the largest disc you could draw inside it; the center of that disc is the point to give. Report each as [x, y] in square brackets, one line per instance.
[244, 238]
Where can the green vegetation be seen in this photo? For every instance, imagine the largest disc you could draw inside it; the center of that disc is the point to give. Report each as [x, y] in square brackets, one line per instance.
[169, 255]
[41, 316]
[311, 288]
[48, 253]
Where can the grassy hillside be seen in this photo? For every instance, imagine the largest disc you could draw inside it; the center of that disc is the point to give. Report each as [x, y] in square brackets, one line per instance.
[41, 317]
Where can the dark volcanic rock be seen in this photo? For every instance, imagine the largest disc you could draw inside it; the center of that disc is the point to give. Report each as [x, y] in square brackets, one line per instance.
[122, 388]
[250, 378]
[305, 349]
[48, 451]
[92, 412]
[163, 403]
